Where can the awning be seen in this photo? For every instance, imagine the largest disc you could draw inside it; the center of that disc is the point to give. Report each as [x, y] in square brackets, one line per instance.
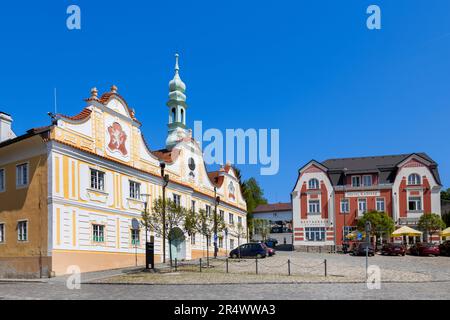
[446, 232]
[406, 231]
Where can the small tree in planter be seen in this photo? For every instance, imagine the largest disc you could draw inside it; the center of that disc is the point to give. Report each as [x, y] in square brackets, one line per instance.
[262, 227]
[240, 233]
[174, 217]
[430, 223]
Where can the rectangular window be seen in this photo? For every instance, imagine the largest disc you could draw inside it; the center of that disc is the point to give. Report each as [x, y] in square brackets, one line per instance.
[193, 206]
[135, 237]
[193, 238]
[314, 206]
[315, 233]
[22, 175]
[231, 244]
[415, 204]
[97, 180]
[380, 204]
[356, 181]
[22, 231]
[135, 190]
[2, 232]
[98, 233]
[240, 220]
[221, 215]
[347, 230]
[345, 206]
[2, 180]
[362, 206]
[208, 210]
[230, 218]
[177, 199]
[367, 181]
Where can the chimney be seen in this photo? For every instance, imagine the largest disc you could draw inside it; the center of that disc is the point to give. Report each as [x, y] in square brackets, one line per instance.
[6, 132]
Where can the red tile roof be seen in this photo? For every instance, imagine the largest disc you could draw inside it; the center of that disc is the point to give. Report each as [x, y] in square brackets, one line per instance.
[85, 113]
[273, 207]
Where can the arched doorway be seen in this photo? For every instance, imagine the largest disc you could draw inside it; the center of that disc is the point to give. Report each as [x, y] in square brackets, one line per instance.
[177, 244]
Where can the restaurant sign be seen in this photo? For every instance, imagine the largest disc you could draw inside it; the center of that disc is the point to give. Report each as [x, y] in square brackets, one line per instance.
[359, 194]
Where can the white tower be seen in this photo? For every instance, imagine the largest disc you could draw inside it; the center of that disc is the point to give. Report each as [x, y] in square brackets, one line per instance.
[177, 109]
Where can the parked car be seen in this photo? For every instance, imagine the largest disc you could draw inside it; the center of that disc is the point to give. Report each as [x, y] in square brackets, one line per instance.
[249, 250]
[393, 249]
[444, 248]
[359, 249]
[424, 249]
[270, 251]
[271, 243]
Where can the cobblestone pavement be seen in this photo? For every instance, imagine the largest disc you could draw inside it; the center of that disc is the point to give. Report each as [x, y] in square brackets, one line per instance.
[433, 272]
[403, 291]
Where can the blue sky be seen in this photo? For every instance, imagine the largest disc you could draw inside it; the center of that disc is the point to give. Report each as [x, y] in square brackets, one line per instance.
[309, 68]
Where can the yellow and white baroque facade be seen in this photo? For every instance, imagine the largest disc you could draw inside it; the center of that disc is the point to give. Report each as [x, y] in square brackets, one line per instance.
[93, 162]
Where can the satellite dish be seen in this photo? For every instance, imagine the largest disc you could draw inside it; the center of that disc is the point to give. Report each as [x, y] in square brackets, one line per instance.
[135, 224]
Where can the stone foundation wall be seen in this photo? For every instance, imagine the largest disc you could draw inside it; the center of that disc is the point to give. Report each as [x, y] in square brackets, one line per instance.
[25, 267]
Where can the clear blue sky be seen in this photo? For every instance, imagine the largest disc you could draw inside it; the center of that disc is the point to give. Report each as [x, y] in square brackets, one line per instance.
[310, 68]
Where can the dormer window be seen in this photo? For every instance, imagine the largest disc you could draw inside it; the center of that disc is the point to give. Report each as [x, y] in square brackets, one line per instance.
[367, 181]
[356, 181]
[313, 184]
[414, 179]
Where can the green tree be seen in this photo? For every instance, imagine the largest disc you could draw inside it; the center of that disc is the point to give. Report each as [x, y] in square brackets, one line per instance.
[446, 218]
[445, 195]
[240, 232]
[430, 223]
[381, 223]
[174, 217]
[262, 227]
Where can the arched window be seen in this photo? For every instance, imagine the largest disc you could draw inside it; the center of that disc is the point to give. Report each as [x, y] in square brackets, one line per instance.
[313, 184]
[174, 115]
[182, 115]
[414, 179]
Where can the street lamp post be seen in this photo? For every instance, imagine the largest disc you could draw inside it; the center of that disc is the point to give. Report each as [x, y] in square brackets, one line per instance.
[145, 197]
[216, 203]
[165, 178]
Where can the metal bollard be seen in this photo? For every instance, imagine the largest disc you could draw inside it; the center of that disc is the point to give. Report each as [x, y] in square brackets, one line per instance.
[289, 267]
[200, 264]
[256, 265]
[227, 265]
[325, 265]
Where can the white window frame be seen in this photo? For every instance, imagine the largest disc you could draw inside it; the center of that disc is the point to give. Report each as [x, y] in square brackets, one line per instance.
[2, 180]
[313, 184]
[416, 181]
[135, 235]
[378, 201]
[22, 233]
[193, 238]
[315, 234]
[417, 199]
[316, 205]
[97, 179]
[222, 214]
[362, 200]
[364, 180]
[232, 246]
[135, 190]
[347, 201]
[176, 199]
[231, 218]
[359, 179]
[208, 210]
[19, 175]
[100, 231]
[2, 232]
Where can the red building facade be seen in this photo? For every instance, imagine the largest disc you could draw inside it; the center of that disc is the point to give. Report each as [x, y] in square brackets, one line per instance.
[330, 196]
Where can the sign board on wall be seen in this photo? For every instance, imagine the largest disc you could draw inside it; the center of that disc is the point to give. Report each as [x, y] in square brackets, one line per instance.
[360, 194]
